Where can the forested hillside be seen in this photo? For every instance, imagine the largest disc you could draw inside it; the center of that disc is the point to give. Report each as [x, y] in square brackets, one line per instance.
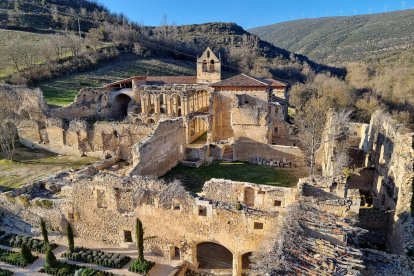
[346, 38]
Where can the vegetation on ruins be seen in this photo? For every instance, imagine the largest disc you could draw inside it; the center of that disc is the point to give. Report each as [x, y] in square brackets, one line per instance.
[98, 257]
[71, 238]
[22, 258]
[140, 265]
[44, 231]
[33, 244]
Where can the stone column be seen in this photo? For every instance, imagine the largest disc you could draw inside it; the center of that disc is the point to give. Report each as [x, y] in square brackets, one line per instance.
[144, 104]
[184, 106]
[237, 264]
[168, 103]
[156, 104]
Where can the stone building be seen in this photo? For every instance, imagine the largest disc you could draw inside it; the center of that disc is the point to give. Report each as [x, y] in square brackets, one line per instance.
[191, 119]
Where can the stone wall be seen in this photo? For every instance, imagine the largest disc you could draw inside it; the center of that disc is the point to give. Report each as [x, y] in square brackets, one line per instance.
[262, 197]
[247, 150]
[162, 151]
[101, 139]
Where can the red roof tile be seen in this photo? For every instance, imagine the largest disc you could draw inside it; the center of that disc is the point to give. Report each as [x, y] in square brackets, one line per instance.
[275, 83]
[241, 80]
[171, 80]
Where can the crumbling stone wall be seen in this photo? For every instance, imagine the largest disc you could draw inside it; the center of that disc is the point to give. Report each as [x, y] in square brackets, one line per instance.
[101, 139]
[162, 151]
[262, 197]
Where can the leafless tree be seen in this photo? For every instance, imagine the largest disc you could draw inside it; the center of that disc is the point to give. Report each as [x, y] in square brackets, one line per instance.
[9, 122]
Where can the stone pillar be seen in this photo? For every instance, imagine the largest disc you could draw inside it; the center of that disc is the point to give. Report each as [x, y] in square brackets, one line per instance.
[184, 106]
[144, 106]
[168, 103]
[156, 104]
[237, 264]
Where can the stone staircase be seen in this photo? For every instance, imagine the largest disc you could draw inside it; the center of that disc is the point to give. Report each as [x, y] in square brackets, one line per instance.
[228, 154]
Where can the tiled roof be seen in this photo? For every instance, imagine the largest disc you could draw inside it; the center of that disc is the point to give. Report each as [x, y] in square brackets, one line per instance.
[274, 83]
[241, 80]
[153, 80]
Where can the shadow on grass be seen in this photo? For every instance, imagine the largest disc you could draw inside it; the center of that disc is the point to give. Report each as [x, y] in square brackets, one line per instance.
[194, 178]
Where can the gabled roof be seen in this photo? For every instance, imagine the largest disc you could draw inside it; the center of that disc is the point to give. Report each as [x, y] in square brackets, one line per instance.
[204, 56]
[275, 83]
[241, 80]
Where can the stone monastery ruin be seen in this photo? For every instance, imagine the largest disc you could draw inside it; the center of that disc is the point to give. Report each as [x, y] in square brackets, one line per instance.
[143, 126]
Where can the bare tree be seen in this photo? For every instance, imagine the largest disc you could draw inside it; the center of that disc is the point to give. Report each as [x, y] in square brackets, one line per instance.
[310, 122]
[9, 122]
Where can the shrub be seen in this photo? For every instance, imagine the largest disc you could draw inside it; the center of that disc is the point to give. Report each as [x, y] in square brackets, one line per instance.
[5, 272]
[33, 244]
[15, 258]
[107, 259]
[239, 206]
[44, 203]
[142, 267]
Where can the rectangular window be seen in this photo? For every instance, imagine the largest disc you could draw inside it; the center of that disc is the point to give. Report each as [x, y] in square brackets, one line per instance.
[127, 236]
[202, 211]
[261, 192]
[177, 207]
[258, 225]
[277, 203]
[276, 129]
[71, 216]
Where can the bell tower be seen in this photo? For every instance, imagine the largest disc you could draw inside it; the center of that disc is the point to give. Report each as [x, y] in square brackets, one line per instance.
[208, 67]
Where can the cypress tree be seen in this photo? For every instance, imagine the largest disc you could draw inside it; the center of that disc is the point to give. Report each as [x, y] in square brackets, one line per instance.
[26, 254]
[44, 231]
[71, 241]
[139, 233]
[50, 260]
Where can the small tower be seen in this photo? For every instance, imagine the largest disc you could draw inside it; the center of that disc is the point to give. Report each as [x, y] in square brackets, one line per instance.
[208, 67]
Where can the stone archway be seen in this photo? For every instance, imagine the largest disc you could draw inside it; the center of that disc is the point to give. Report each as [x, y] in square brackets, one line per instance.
[212, 255]
[120, 106]
[197, 130]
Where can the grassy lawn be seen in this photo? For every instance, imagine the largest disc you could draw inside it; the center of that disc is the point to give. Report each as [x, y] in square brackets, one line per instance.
[30, 165]
[194, 179]
[62, 90]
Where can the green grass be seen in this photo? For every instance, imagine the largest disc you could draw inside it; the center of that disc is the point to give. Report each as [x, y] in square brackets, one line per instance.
[30, 165]
[62, 90]
[194, 178]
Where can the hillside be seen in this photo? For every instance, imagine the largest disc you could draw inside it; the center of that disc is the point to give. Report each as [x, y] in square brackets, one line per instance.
[347, 38]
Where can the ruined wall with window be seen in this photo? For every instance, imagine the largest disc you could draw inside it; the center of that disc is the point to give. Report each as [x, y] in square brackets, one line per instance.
[262, 197]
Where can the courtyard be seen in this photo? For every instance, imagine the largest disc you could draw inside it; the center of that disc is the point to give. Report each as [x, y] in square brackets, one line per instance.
[194, 178]
[30, 165]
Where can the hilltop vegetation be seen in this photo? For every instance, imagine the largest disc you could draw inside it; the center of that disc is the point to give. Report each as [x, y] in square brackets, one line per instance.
[343, 39]
[48, 46]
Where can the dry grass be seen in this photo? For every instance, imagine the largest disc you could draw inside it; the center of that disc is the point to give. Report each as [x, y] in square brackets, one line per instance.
[30, 165]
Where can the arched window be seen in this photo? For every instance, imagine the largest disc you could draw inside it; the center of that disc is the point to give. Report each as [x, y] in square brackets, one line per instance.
[212, 65]
[204, 68]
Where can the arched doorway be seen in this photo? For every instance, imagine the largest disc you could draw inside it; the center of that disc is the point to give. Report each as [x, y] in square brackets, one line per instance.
[120, 106]
[212, 255]
[176, 104]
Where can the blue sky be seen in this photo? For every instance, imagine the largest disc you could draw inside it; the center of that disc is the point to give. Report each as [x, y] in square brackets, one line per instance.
[247, 13]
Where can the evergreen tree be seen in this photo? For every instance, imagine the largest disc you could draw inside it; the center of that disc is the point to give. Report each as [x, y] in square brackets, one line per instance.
[50, 260]
[139, 233]
[26, 254]
[71, 240]
[44, 231]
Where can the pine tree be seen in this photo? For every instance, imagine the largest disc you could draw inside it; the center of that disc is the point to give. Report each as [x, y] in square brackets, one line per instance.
[50, 259]
[139, 232]
[26, 254]
[71, 241]
[44, 231]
